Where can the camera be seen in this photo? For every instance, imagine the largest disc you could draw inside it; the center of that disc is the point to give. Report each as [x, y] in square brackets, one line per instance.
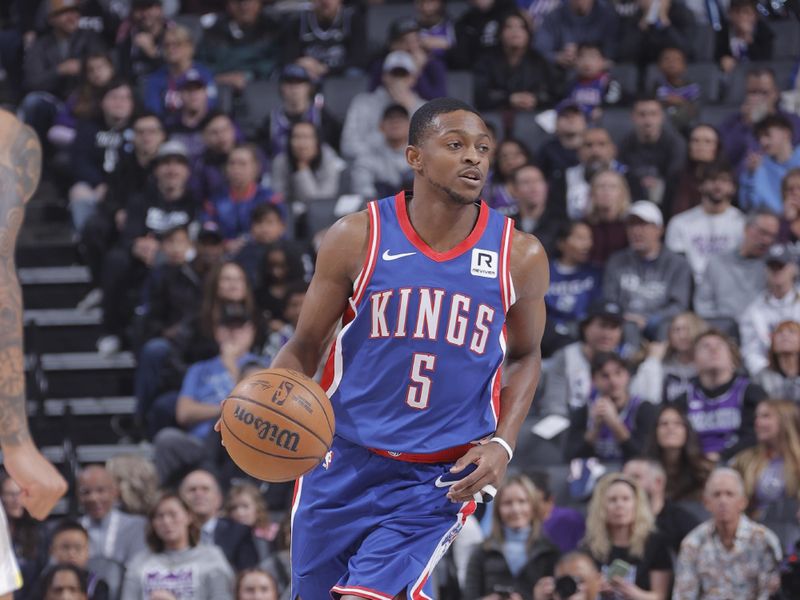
[503, 591]
[566, 586]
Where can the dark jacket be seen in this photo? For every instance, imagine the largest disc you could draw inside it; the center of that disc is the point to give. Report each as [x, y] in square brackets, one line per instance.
[340, 45]
[129, 178]
[476, 32]
[760, 49]
[496, 80]
[489, 570]
[227, 47]
[174, 298]
[44, 56]
[643, 46]
[236, 542]
[96, 150]
[133, 63]
[150, 213]
[563, 26]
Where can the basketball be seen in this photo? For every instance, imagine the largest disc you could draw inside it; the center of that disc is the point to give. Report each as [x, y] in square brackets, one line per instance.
[277, 424]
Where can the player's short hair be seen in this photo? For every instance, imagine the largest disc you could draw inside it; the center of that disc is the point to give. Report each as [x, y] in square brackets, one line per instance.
[422, 121]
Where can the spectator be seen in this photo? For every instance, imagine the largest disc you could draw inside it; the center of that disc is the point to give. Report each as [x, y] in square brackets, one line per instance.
[760, 99]
[436, 31]
[361, 125]
[790, 221]
[256, 584]
[565, 527]
[112, 533]
[298, 103]
[176, 562]
[673, 521]
[742, 37]
[513, 75]
[593, 87]
[679, 97]
[720, 404]
[732, 281]
[675, 445]
[267, 226]
[703, 150]
[140, 39]
[246, 505]
[609, 199]
[65, 581]
[404, 34]
[381, 170]
[510, 155]
[95, 153]
[781, 378]
[281, 329]
[654, 154]
[596, 153]
[137, 481]
[652, 27]
[708, 14]
[206, 384]
[569, 378]
[516, 555]
[279, 564]
[309, 171]
[577, 22]
[200, 490]
[613, 425]
[578, 567]
[779, 302]
[574, 285]
[69, 545]
[771, 468]
[53, 63]
[728, 556]
[208, 170]
[97, 71]
[619, 525]
[477, 31]
[240, 45]
[186, 124]
[230, 209]
[669, 366]
[561, 152]
[25, 532]
[282, 266]
[713, 228]
[530, 211]
[649, 282]
[327, 39]
[760, 181]
[162, 87]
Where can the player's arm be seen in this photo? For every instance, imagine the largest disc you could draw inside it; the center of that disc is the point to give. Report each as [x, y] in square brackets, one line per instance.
[524, 326]
[20, 167]
[339, 261]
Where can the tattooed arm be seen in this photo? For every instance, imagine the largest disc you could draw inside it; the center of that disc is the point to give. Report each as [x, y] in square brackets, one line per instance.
[20, 167]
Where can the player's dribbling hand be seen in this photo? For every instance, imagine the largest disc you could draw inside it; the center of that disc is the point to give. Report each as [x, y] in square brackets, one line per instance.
[42, 485]
[492, 461]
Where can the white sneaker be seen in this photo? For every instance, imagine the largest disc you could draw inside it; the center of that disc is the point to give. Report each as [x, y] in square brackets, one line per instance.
[91, 300]
[108, 345]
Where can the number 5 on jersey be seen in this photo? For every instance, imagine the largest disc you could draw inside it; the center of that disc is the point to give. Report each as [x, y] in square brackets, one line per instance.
[419, 390]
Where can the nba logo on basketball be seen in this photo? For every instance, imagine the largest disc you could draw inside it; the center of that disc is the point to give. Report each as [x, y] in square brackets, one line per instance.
[283, 391]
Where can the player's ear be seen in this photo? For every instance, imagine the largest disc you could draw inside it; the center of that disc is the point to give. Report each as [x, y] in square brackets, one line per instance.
[414, 157]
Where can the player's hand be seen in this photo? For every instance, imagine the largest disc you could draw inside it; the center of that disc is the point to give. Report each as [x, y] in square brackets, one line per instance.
[218, 424]
[42, 485]
[492, 461]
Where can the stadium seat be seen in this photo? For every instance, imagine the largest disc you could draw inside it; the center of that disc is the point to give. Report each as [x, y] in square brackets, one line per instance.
[528, 131]
[705, 74]
[456, 9]
[461, 85]
[111, 571]
[380, 18]
[617, 121]
[734, 92]
[494, 119]
[703, 44]
[258, 99]
[193, 24]
[786, 43]
[339, 91]
[628, 77]
[714, 115]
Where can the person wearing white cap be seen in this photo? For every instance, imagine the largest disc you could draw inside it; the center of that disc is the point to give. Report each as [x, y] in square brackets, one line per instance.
[362, 124]
[649, 282]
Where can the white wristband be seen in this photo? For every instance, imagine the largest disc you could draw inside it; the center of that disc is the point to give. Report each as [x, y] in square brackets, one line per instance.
[505, 445]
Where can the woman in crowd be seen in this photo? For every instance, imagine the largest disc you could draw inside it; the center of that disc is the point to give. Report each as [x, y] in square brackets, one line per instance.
[173, 538]
[704, 149]
[620, 526]
[609, 198]
[771, 469]
[574, 285]
[665, 373]
[282, 266]
[137, 482]
[674, 443]
[516, 555]
[246, 505]
[256, 584]
[66, 581]
[510, 155]
[790, 223]
[781, 379]
[309, 170]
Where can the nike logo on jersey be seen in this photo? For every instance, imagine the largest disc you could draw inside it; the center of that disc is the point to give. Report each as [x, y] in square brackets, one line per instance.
[388, 256]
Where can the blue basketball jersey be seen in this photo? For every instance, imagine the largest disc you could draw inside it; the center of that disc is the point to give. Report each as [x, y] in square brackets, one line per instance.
[416, 367]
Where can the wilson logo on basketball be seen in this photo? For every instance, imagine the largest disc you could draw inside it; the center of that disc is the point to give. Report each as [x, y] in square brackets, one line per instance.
[283, 438]
[282, 393]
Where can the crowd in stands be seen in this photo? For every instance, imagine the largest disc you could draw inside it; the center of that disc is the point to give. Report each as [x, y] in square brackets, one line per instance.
[651, 145]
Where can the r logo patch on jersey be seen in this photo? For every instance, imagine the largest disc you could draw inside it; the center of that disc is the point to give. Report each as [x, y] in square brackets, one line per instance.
[484, 263]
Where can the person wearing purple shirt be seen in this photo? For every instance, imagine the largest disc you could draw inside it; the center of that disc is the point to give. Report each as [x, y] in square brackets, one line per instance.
[436, 30]
[564, 526]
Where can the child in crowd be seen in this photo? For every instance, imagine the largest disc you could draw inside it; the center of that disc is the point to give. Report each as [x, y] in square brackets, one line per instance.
[594, 87]
[679, 96]
[69, 545]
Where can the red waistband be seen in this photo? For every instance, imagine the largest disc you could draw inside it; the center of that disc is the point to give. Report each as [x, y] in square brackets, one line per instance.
[443, 456]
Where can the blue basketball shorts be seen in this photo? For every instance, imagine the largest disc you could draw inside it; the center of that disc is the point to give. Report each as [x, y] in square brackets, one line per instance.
[370, 526]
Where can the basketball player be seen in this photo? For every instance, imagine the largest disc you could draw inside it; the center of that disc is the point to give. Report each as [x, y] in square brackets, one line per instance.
[42, 486]
[434, 291]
